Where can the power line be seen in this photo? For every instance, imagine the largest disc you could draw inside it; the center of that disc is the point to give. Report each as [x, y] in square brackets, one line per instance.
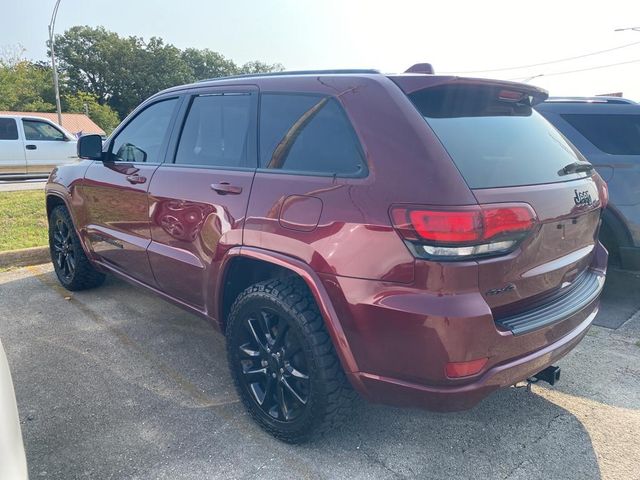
[580, 69]
[550, 62]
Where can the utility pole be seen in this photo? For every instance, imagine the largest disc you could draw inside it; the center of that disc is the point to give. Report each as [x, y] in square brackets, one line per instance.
[56, 87]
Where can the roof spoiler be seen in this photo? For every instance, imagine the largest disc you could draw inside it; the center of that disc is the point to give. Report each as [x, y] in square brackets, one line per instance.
[421, 68]
[412, 83]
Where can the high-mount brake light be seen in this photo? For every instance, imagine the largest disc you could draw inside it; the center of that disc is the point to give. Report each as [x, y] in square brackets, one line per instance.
[463, 232]
[511, 95]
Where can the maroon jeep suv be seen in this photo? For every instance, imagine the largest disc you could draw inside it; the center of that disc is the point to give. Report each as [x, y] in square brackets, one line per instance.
[421, 240]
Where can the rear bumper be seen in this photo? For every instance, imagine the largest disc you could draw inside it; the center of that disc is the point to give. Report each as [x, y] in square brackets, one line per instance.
[461, 397]
[402, 337]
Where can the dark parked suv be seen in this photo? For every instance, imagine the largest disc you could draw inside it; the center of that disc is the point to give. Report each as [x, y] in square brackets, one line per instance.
[422, 240]
[607, 132]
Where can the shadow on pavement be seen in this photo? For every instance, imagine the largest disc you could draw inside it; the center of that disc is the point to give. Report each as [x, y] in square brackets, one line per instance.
[115, 383]
[620, 298]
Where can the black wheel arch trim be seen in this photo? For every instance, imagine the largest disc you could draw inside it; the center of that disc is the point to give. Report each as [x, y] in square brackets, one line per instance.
[65, 201]
[317, 289]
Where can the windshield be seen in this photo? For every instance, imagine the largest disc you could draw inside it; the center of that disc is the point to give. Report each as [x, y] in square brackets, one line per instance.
[496, 142]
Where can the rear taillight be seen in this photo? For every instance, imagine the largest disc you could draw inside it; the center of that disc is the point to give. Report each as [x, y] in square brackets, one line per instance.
[463, 232]
[465, 369]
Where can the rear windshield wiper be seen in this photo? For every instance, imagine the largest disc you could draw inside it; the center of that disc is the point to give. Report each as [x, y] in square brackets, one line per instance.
[575, 167]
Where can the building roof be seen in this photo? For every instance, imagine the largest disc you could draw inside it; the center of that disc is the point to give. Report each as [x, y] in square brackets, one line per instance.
[72, 122]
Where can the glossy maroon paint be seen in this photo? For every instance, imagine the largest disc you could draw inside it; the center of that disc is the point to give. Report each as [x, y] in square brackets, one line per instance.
[395, 321]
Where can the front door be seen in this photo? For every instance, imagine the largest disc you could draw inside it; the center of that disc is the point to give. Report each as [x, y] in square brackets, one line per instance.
[115, 190]
[198, 199]
[46, 146]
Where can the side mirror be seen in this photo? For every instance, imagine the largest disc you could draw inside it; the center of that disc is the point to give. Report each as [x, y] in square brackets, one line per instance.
[90, 147]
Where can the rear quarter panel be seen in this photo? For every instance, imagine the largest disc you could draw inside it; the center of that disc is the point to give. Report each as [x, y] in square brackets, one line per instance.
[354, 236]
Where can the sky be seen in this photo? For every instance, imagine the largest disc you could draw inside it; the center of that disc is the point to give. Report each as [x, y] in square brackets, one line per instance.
[455, 36]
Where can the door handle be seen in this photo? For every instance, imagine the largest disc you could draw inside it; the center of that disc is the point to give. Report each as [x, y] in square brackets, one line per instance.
[31, 147]
[136, 179]
[224, 188]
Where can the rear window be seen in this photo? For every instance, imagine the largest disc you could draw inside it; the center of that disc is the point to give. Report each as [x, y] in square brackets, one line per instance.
[308, 134]
[494, 142]
[8, 129]
[613, 134]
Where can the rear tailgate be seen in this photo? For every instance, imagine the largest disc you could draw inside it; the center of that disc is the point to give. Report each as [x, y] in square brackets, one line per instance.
[553, 256]
[509, 154]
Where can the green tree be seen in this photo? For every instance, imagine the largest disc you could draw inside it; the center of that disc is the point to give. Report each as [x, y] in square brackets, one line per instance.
[207, 64]
[155, 66]
[82, 102]
[257, 66]
[26, 86]
[98, 61]
[121, 72]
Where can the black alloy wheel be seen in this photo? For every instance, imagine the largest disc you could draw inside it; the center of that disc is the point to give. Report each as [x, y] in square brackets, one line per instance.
[73, 268]
[274, 369]
[283, 361]
[62, 249]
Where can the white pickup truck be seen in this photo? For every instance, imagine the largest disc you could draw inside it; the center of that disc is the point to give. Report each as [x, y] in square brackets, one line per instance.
[33, 146]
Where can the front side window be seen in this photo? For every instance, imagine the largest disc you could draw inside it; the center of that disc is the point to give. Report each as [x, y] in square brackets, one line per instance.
[308, 134]
[37, 130]
[142, 138]
[8, 129]
[613, 134]
[218, 132]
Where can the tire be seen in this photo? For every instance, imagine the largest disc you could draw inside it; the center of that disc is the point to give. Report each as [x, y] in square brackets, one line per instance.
[73, 269]
[275, 328]
[608, 239]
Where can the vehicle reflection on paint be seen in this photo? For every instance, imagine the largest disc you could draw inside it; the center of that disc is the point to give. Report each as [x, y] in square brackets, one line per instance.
[183, 220]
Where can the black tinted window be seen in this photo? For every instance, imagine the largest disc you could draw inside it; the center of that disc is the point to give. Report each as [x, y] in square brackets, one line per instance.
[37, 130]
[495, 142]
[142, 137]
[614, 134]
[307, 133]
[216, 132]
[8, 129]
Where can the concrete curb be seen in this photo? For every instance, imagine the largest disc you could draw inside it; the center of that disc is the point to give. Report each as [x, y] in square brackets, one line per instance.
[24, 257]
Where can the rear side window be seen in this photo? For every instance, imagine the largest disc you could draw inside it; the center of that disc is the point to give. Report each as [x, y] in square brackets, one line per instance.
[496, 142]
[36, 130]
[216, 132]
[308, 134]
[8, 129]
[613, 134]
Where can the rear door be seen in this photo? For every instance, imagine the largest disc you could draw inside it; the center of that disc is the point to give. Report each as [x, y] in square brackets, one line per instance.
[46, 146]
[12, 158]
[508, 153]
[115, 190]
[198, 198]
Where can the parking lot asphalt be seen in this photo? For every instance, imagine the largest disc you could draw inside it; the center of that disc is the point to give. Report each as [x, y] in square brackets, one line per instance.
[116, 383]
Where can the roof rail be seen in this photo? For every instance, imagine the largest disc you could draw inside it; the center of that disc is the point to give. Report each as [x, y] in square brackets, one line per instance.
[599, 99]
[297, 72]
